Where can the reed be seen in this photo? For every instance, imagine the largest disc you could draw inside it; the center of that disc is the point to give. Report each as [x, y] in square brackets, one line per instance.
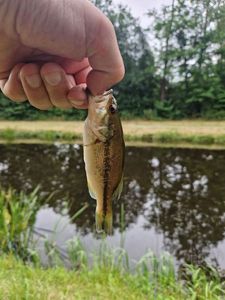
[17, 217]
[106, 274]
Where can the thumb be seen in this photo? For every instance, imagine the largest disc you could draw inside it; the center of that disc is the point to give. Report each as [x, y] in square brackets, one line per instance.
[99, 81]
[106, 61]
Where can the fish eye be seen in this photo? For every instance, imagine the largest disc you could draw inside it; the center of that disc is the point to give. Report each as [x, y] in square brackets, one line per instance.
[112, 109]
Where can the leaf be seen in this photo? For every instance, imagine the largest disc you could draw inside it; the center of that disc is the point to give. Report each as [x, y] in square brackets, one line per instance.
[6, 216]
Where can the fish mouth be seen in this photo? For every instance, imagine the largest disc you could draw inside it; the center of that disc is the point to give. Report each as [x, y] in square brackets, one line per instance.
[103, 97]
[109, 92]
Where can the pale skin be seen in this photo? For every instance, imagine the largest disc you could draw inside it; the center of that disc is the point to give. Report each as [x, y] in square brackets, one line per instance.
[51, 51]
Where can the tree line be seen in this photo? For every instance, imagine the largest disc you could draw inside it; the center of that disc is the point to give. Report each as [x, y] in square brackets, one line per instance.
[174, 69]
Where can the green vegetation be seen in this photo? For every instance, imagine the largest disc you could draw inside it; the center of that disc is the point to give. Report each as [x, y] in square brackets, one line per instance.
[170, 137]
[11, 135]
[108, 277]
[23, 111]
[174, 137]
[17, 216]
[20, 281]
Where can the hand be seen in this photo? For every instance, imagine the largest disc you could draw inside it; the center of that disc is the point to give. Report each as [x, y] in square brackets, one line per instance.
[50, 51]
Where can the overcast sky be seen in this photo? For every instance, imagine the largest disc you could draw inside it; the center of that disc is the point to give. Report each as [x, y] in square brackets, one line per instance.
[140, 7]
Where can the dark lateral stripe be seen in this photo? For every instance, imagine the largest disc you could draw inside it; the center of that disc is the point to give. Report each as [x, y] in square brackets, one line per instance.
[107, 168]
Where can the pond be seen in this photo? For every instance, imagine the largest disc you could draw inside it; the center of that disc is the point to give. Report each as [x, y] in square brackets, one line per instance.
[173, 199]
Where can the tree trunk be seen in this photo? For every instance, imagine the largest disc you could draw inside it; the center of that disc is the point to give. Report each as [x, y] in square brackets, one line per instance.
[164, 81]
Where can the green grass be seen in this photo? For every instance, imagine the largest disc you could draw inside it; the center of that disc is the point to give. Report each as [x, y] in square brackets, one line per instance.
[177, 138]
[11, 135]
[102, 281]
[17, 217]
[109, 276]
[26, 282]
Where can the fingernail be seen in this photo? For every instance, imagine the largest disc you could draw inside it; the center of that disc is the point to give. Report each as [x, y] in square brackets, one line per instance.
[53, 78]
[34, 81]
[76, 102]
[79, 104]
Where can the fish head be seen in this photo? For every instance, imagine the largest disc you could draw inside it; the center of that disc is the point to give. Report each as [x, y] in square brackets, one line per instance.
[101, 113]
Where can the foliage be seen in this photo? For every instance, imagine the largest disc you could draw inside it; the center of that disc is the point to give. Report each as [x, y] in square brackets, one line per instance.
[166, 137]
[190, 57]
[23, 111]
[174, 70]
[17, 217]
[108, 277]
[11, 135]
[102, 282]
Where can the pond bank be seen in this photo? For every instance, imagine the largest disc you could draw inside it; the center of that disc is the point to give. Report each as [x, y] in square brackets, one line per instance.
[110, 276]
[173, 133]
[101, 282]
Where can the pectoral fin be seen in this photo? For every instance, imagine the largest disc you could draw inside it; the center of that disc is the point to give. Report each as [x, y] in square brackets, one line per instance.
[118, 191]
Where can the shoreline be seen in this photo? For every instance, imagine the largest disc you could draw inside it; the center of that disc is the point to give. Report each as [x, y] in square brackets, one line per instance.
[127, 144]
[179, 134]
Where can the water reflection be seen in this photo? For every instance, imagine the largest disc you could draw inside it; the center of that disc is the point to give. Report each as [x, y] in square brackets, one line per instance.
[177, 194]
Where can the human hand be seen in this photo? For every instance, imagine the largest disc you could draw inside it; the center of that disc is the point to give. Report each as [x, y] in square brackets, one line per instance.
[50, 51]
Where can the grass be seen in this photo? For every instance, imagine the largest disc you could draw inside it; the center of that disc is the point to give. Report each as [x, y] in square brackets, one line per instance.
[17, 217]
[18, 281]
[105, 280]
[176, 138]
[196, 133]
[109, 276]
[11, 135]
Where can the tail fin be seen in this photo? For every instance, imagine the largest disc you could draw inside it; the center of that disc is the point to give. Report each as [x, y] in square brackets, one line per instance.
[104, 223]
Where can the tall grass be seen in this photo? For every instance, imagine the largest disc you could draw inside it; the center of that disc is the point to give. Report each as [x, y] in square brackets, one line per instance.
[110, 275]
[107, 278]
[153, 277]
[17, 217]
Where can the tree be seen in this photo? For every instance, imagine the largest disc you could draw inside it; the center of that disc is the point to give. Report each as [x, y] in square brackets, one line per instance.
[187, 56]
[136, 92]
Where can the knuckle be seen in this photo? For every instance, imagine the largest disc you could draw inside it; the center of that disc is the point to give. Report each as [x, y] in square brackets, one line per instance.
[109, 26]
[118, 74]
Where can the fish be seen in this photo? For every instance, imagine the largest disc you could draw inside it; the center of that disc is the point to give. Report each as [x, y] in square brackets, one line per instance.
[104, 148]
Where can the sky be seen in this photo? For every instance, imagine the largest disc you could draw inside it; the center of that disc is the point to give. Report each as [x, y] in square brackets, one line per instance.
[140, 7]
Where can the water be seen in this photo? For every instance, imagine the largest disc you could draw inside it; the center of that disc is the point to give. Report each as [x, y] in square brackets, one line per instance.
[174, 199]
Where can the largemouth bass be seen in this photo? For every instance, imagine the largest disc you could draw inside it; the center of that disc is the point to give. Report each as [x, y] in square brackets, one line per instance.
[104, 156]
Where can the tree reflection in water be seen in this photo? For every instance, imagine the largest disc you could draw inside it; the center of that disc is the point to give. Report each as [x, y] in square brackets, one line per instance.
[179, 192]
